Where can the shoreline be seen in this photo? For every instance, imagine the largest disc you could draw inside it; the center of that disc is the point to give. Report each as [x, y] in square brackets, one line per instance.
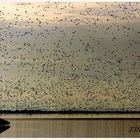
[69, 116]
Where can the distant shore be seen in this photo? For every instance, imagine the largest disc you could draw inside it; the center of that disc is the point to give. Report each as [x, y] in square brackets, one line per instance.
[76, 115]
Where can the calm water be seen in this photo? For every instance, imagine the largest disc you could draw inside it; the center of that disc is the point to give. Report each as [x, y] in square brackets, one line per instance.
[70, 128]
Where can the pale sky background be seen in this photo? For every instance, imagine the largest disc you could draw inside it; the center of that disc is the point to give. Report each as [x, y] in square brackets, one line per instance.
[10, 1]
[77, 56]
[7, 1]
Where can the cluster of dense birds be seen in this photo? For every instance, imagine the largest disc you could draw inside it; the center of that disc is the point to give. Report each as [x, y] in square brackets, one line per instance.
[70, 56]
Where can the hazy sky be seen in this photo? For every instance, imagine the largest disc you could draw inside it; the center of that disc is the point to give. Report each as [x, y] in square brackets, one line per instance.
[10, 1]
[4, 1]
[70, 56]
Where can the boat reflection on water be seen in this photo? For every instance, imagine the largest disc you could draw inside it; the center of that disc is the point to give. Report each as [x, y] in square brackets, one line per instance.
[4, 125]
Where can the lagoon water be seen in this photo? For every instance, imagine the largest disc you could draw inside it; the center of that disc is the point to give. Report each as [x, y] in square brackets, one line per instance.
[31, 127]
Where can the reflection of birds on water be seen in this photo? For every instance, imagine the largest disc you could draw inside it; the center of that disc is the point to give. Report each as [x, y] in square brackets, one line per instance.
[56, 50]
[4, 125]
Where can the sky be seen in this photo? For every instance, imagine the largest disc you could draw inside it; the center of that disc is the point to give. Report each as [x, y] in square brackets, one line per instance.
[11, 1]
[70, 56]
[7, 1]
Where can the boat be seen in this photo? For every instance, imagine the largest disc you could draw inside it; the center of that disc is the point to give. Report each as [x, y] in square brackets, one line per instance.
[4, 125]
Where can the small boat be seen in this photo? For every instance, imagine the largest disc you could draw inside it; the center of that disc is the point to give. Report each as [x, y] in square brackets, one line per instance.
[4, 125]
[4, 122]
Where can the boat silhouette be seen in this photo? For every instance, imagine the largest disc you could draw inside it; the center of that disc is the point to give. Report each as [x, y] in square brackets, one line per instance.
[4, 125]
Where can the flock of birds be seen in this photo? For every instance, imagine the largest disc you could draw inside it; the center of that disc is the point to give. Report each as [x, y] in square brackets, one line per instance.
[70, 56]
